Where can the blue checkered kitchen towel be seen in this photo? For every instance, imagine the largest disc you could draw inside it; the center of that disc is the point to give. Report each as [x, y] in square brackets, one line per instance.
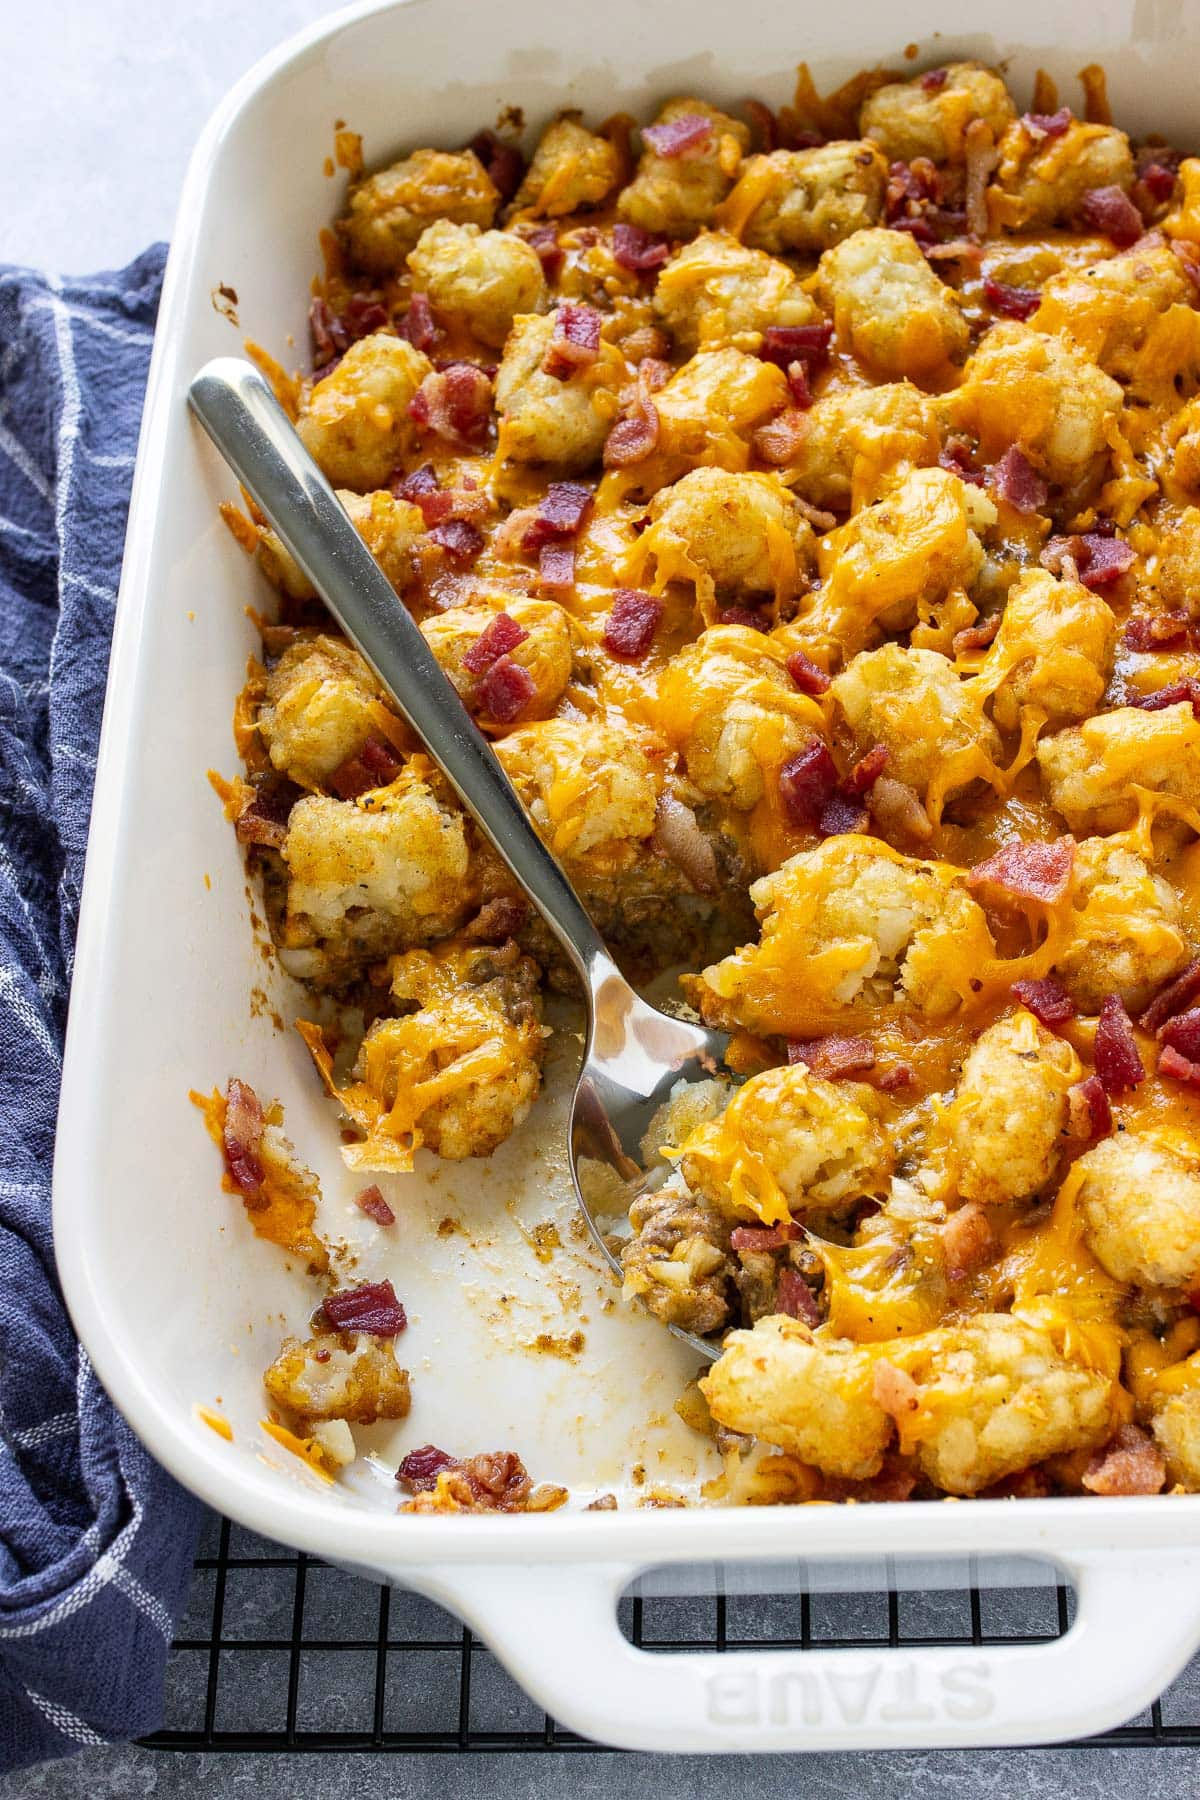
[95, 1539]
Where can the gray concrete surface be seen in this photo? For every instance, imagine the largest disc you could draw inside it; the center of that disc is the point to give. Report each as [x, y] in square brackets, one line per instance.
[102, 104]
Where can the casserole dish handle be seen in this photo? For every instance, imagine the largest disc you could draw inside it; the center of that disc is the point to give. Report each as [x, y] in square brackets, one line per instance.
[555, 1629]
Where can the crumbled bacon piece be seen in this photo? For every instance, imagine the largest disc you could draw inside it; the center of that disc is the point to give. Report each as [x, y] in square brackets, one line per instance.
[784, 345]
[638, 250]
[455, 403]
[421, 488]
[900, 1075]
[831, 1057]
[1172, 999]
[1130, 1463]
[372, 1203]
[975, 637]
[374, 766]
[575, 343]
[866, 771]
[967, 1241]
[743, 615]
[503, 162]
[1160, 631]
[497, 638]
[1047, 125]
[795, 1298]
[1110, 210]
[780, 438]
[1011, 302]
[933, 79]
[330, 338]
[556, 569]
[807, 783]
[241, 1139]
[561, 513]
[764, 1237]
[631, 625]
[372, 1307]
[461, 540]
[1158, 180]
[843, 812]
[1089, 1115]
[1047, 999]
[1178, 1067]
[362, 315]
[418, 324]
[1172, 695]
[1099, 557]
[1182, 1034]
[1028, 871]
[806, 675]
[265, 819]
[1015, 479]
[798, 388]
[958, 458]
[685, 136]
[550, 252]
[635, 434]
[420, 1469]
[1115, 1053]
[505, 691]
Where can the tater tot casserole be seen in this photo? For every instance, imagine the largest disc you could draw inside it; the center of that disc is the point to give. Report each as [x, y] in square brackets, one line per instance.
[807, 508]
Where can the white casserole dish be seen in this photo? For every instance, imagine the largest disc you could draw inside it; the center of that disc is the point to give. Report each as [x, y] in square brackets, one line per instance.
[175, 1301]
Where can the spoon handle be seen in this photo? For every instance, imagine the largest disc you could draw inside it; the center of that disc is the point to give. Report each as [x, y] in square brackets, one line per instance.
[245, 421]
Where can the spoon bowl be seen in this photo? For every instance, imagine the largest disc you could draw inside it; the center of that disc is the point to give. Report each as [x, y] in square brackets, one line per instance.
[636, 1057]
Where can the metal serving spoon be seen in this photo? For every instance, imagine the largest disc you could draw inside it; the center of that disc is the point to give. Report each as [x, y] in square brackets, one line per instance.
[635, 1056]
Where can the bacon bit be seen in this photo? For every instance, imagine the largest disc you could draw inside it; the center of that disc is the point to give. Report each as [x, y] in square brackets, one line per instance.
[455, 403]
[806, 675]
[556, 569]
[845, 812]
[967, 1241]
[933, 79]
[638, 250]
[494, 641]
[631, 625]
[1158, 179]
[778, 441]
[678, 835]
[795, 1299]
[900, 1076]
[505, 691]
[1047, 125]
[1110, 210]
[372, 1307]
[330, 339]
[797, 380]
[503, 162]
[765, 123]
[1011, 302]
[1174, 695]
[744, 615]
[959, 459]
[374, 766]
[919, 228]
[686, 136]
[975, 637]
[764, 1237]
[372, 1202]
[418, 324]
[1028, 871]
[1178, 1068]
[831, 1057]
[895, 1390]
[550, 252]
[498, 920]
[241, 1141]
[420, 1469]
[911, 185]
[561, 513]
[575, 343]
[1130, 1463]
[1115, 1053]
[896, 808]
[808, 345]
[1015, 479]
[422, 488]
[1159, 632]
[634, 436]
[1089, 1115]
[807, 783]
[265, 820]
[1182, 1034]
[461, 540]
[1172, 999]
[866, 771]
[363, 315]
[1047, 999]
[1099, 557]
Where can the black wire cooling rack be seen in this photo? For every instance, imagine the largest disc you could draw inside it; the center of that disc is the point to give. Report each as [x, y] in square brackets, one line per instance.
[279, 1651]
